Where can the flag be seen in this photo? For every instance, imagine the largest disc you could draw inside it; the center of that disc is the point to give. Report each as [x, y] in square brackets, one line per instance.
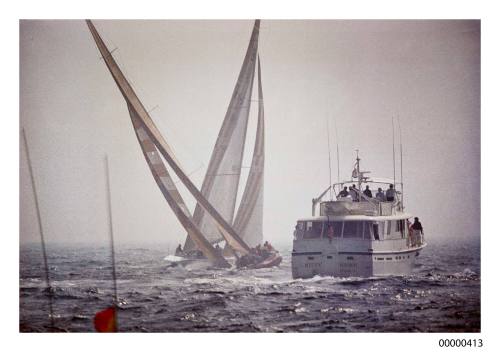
[355, 173]
[105, 320]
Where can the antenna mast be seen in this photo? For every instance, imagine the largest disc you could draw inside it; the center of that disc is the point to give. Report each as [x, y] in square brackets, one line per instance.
[338, 159]
[401, 157]
[329, 158]
[358, 173]
[393, 155]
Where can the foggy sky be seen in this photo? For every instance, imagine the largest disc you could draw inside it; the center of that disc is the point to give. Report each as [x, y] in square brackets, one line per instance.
[357, 74]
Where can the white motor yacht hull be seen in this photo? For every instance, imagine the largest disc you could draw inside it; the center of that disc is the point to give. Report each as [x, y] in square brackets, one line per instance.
[328, 258]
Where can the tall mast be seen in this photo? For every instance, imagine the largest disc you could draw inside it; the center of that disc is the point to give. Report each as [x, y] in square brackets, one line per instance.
[40, 229]
[110, 229]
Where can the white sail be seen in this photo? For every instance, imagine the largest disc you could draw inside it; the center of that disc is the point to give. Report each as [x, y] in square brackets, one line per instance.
[154, 134]
[221, 182]
[249, 218]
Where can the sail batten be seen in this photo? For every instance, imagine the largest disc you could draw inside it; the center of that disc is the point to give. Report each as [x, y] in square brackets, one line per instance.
[157, 139]
[222, 178]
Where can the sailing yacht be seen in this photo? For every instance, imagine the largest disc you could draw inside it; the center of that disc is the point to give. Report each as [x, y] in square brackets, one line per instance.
[356, 236]
[213, 216]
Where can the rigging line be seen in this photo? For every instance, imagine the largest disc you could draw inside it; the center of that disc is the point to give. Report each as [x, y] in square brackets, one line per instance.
[153, 108]
[192, 172]
[329, 157]
[42, 238]
[224, 174]
[110, 54]
[110, 227]
[118, 59]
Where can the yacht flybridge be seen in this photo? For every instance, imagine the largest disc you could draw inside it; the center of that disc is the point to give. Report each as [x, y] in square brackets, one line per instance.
[357, 234]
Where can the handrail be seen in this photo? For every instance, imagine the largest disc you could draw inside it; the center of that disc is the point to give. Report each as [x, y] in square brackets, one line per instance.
[316, 200]
[368, 199]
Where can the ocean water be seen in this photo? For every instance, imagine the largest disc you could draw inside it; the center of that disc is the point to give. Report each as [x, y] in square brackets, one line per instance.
[441, 295]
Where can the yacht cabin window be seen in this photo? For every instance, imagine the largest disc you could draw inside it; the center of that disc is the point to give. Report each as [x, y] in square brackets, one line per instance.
[375, 232]
[347, 229]
[401, 228]
[353, 229]
[388, 227]
[313, 230]
[334, 227]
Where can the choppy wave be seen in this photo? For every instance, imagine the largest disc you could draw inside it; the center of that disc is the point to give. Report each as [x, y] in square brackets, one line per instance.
[442, 294]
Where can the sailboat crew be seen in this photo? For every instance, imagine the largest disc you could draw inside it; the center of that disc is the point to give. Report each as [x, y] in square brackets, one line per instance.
[178, 251]
[268, 247]
[218, 248]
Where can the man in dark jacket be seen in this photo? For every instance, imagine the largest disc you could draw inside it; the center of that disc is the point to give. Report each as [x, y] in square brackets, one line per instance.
[417, 226]
[367, 192]
[344, 192]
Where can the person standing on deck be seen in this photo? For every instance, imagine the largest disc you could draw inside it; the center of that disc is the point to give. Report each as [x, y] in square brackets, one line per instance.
[417, 225]
[344, 193]
[390, 194]
[380, 195]
[354, 194]
[367, 192]
[418, 231]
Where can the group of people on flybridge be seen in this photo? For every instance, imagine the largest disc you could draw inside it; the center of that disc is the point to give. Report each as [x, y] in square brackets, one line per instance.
[353, 193]
[416, 230]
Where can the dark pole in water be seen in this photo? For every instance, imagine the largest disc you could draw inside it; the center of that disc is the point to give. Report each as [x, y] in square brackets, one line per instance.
[44, 252]
[110, 220]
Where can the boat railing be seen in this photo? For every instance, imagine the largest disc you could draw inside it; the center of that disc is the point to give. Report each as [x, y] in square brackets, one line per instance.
[371, 207]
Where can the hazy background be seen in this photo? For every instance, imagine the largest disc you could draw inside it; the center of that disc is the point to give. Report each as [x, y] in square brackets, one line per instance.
[357, 73]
